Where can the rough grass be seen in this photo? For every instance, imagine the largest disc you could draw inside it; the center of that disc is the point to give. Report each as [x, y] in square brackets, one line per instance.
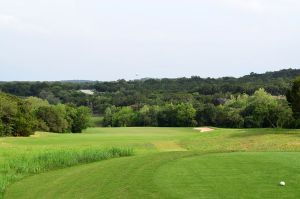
[22, 165]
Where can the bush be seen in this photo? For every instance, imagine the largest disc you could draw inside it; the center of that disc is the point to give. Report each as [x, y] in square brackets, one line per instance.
[16, 118]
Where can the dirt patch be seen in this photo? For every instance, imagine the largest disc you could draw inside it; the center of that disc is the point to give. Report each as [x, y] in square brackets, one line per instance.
[204, 129]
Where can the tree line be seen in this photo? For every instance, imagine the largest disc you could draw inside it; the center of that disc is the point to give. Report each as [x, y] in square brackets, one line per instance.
[60, 107]
[22, 117]
[260, 110]
[151, 91]
[243, 111]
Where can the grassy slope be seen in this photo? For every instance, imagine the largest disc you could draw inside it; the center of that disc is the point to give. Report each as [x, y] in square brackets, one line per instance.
[155, 175]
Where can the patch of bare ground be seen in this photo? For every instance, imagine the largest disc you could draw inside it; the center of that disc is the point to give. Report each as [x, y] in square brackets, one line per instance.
[204, 129]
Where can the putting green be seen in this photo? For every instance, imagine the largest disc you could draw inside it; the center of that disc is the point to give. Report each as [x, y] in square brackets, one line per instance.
[171, 175]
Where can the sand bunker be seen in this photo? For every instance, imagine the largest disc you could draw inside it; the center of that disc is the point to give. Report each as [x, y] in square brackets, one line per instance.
[204, 129]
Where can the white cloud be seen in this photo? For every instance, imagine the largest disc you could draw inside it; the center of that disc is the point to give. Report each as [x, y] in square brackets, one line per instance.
[264, 6]
[14, 23]
[7, 20]
[250, 5]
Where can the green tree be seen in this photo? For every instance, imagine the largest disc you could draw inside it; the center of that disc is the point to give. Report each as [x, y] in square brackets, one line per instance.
[124, 117]
[54, 118]
[207, 114]
[24, 122]
[230, 113]
[49, 96]
[147, 115]
[80, 119]
[265, 110]
[15, 117]
[8, 112]
[283, 114]
[293, 97]
[35, 102]
[261, 106]
[185, 115]
[167, 115]
[108, 115]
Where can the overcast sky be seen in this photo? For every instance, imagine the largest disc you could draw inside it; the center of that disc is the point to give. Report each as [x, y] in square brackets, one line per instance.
[117, 39]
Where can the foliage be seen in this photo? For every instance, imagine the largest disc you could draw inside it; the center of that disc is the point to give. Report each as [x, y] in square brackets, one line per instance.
[21, 117]
[224, 102]
[259, 110]
[15, 117]
[125, 116]
[95, 121]
[54, 117]
[147, 116]
[138, 93]
[293, 97]
[80, 118]
[168, 115]
[182, 115]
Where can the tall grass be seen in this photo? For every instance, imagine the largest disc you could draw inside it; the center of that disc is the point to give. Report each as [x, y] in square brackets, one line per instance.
[23, 165]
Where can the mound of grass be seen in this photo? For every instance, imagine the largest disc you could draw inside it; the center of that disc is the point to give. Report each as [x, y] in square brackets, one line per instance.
[23, 165]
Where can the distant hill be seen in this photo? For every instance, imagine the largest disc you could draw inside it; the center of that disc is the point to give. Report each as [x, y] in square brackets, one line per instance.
[285, 73]
[77, 81]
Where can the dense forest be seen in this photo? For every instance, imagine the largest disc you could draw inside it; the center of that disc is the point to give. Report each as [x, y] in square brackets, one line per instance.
[137, 93]
[252, 101]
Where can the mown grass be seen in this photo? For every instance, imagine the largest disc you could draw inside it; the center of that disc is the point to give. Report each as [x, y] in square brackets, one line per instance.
[139, 176]
[24, 164]
[247, 175]
[171, 175]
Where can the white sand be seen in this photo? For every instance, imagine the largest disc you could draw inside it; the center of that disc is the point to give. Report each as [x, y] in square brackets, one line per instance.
[204, 129]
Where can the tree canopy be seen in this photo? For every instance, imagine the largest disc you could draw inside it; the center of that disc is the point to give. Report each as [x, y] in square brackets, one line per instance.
[21, 117]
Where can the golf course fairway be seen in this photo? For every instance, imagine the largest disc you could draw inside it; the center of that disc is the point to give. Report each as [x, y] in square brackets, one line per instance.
[171, 175]
[166, 163]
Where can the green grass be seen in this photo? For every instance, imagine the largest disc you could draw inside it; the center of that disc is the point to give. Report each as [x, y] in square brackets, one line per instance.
[22, 164]
[169, 163]
[171, 175]
[231, 175]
